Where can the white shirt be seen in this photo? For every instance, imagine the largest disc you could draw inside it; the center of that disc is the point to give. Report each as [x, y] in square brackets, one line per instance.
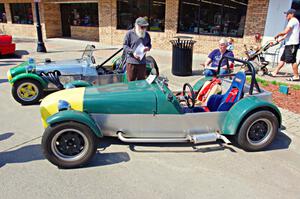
[293, 36]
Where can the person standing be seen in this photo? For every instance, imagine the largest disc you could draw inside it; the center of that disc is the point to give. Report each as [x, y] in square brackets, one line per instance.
[291, 37]
[136, 65]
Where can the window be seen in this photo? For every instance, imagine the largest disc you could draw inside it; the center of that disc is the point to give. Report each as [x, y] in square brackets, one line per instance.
[213, 17]
[21, 13]
[296, 6]
[84, 14]
[129, 10]
[2, 13]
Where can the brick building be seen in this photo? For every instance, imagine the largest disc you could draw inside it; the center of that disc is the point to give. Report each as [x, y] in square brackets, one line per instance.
[107, 21]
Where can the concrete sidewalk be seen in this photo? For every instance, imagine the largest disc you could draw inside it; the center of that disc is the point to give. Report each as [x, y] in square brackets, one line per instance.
[61, 48]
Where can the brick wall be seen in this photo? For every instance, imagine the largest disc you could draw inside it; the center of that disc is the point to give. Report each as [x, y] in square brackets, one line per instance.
[85, 33]
[255, 22]
[109, 35]
[52, 19]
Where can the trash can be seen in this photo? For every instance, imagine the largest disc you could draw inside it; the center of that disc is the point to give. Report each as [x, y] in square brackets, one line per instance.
[182, 55]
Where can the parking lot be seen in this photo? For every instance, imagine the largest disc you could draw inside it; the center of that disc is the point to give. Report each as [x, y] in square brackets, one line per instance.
[121, 170]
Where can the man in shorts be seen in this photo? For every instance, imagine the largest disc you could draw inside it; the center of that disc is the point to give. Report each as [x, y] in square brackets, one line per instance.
[291, 37]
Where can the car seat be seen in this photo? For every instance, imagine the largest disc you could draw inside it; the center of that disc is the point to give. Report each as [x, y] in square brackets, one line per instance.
[226, 101]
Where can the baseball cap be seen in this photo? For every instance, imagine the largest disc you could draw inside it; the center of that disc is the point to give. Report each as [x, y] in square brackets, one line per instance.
[141, 21]
[290, 11]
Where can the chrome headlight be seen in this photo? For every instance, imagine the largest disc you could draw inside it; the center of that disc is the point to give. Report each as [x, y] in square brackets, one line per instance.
[63, 105]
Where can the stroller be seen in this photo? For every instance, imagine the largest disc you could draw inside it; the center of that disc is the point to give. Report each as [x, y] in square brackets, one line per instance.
[257, 58]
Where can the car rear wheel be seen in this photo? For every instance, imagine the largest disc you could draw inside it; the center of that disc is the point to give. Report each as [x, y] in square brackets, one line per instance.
[69, 145]
[258, 131]
[27, 91]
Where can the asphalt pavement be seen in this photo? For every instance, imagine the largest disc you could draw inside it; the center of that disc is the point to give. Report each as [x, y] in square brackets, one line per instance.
[121, 170]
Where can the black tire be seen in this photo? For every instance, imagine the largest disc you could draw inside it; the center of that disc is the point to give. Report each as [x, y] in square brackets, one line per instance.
[56, 154]
[257, 131]
[155, 66]
[34, 100]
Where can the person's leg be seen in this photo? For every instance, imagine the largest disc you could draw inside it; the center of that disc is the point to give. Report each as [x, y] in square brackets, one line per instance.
[282, 60]
[208, 73]
[131, 76]
[141, 71]
[295, 71]
[294, 61]
[223, 71]
[277, 69]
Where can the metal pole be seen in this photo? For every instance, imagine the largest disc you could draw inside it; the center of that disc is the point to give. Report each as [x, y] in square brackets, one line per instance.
[40, 45]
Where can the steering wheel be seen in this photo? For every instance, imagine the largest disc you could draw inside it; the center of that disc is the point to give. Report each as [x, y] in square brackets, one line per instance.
[189, 95]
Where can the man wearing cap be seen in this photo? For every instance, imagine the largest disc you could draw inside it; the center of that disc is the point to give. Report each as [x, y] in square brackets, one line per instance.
[212, 62]
[291, 37]
[136, 65]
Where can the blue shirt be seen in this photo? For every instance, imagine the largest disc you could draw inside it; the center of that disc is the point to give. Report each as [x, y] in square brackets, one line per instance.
[216, 56]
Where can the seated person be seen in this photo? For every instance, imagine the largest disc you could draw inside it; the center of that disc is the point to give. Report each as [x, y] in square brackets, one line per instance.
[214, 58]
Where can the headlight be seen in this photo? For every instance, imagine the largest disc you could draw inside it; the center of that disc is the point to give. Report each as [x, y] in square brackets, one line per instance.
[63, 105]
[9, 77]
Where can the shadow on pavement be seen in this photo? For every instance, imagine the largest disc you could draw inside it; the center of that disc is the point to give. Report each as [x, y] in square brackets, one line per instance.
[24, 154]
[3, 81]
[281, 141]
[5, 136]
[197, 72]
[17, 55]
[103, 159]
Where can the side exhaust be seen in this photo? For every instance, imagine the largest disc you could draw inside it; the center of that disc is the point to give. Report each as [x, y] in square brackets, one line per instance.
[201, 138]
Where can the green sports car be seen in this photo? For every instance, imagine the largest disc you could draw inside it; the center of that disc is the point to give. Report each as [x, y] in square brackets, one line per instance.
[148, 111]
[30, 80]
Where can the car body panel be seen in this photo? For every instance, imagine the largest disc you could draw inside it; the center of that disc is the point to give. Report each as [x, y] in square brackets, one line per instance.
[160, 125]
[76, 116]
[49, 105]
[240, 110]
[122, 98]
[68, 67]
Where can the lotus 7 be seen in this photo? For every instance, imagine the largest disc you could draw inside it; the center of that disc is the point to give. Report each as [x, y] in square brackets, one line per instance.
[30, 80]
[148, 111]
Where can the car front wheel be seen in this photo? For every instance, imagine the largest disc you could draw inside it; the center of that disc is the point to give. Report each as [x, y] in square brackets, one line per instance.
[69, 145]
[258, 131]
[27, 91]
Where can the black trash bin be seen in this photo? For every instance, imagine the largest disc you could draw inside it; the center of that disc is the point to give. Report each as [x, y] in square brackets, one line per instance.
[182, 55]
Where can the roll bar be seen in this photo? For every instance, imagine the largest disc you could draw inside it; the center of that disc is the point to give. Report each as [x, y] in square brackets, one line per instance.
[102, 64]
[251, 72]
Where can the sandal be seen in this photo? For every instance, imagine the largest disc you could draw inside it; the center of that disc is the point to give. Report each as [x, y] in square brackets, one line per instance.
[292, 79]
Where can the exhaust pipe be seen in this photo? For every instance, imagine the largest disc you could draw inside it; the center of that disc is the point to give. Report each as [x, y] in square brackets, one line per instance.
[196, 139]
[208, 137]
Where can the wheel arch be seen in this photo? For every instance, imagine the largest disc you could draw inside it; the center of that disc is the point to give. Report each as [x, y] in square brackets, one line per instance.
[29, 76]
[236, 117]
[74, 116]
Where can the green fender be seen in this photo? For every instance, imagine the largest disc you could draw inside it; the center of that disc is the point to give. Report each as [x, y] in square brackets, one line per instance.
[77, 116]
[244, 108]
[29, 76]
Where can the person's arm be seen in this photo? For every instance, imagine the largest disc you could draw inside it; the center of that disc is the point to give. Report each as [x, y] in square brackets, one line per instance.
[288, 29]
[148, 44]
[207, 62]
